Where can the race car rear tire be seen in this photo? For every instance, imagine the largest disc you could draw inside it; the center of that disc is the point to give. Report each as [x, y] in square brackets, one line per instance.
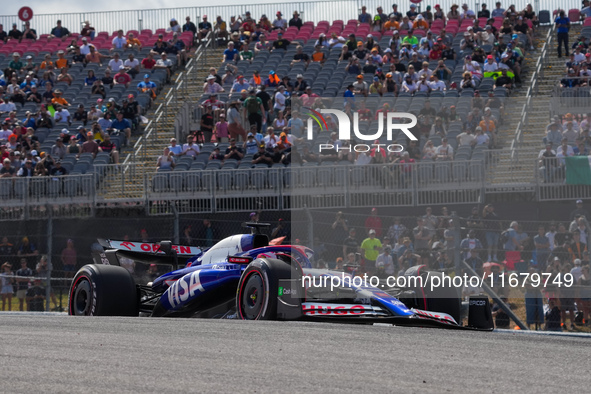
[256, 298]
[103, 290]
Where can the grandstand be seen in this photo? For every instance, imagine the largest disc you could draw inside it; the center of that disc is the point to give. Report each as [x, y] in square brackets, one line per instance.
[200, 184]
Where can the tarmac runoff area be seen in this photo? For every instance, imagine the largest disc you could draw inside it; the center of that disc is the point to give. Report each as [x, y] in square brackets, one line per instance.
[59, 353]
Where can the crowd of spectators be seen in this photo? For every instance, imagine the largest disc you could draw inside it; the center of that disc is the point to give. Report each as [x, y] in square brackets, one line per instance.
[565, 136]
[31, 81]
[389, 247]
[414, 63]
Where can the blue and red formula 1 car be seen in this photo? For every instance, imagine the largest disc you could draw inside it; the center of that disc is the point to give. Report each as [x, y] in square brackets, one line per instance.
[243, 277]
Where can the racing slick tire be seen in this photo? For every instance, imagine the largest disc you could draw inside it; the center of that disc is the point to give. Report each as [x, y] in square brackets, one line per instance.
[256, 298]
[103, 290]
[442, 298]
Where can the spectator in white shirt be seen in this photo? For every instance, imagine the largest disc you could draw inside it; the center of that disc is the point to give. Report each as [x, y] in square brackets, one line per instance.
[279, 99]
[490, 66]
[190, 148]
[120, 41]
[116, 63]
[444, 151]
[408, 85]
[436, 83]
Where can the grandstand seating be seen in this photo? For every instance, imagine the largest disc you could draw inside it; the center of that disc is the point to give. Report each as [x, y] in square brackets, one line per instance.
[77, 93]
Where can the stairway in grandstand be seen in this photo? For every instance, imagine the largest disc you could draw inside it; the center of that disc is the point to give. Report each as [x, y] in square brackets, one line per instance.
[514, 169]
[128, 182]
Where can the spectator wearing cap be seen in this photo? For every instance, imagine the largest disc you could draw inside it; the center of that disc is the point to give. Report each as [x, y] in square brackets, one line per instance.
[122, 77]
[212, 87]
[262, 156]
[360, 86]
[439, 13]
[95, 56]
[87, 31]
[296, 20]
[371, 247]
[115, 64]
[250, 146]
[59, 31]
[57, 169]
[280, 42]
[85, 47]
[279, 22]
[412, 14]
[453, 13]
[175, 148]
[147, 86]
[164, 63]
[233, 152]
[16, 64]
[420, 23]
[579, 210]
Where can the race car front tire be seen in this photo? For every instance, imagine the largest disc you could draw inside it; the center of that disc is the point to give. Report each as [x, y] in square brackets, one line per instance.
[103, 290]
[256, 298]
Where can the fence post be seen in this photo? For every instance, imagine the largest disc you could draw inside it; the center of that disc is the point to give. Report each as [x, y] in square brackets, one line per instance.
[49, 265]
[176, 224]
[310, 227]
[457, 235]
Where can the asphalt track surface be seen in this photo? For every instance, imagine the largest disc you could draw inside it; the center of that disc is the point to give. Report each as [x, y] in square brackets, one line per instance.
[86, 354]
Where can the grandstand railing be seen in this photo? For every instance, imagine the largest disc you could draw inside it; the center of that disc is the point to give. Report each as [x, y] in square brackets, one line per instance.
[550, 179]
[532, 91]
[315, 186]
[28, 197]
[310, 11]
[575, 100]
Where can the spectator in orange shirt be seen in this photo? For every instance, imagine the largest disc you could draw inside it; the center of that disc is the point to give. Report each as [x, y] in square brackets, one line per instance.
[420, 23]
[61, 61]
[64, 76]
[58, 99]
[133, 42]
[318, 55]
[46, 62]
[391, 24]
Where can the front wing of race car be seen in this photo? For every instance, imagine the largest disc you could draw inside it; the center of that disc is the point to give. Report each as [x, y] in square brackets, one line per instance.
[378, 308]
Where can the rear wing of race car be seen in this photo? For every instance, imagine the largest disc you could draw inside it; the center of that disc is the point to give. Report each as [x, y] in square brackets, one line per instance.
[148, 247]
[153, 253]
